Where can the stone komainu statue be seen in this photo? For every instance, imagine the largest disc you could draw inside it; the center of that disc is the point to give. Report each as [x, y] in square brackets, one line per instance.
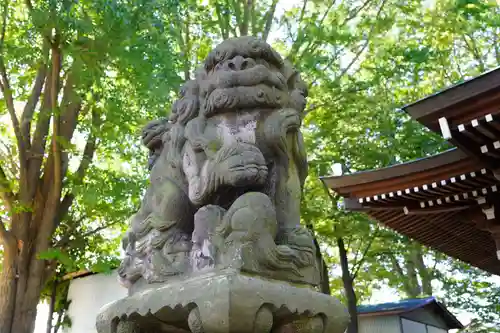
[227, 171]
[220, 221]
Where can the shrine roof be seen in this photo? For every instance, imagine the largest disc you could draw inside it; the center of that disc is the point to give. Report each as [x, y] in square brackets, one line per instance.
[441, 200]
[459, 103]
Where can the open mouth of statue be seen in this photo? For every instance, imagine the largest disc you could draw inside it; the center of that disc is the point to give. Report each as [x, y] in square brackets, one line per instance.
[233, 99]
[259, 74]
[241, 168]
[255, 87]
[225, 196]
[245, 162]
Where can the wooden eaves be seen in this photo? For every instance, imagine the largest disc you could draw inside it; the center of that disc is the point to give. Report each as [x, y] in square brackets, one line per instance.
[446, 201]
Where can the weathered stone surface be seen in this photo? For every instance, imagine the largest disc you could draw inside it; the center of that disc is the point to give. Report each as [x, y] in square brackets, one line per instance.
[217, 244]
[227, 170]
[224, 302]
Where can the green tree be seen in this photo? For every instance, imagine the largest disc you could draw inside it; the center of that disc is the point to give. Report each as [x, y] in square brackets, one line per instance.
[77, 80]
[431, 46]
[476, 326]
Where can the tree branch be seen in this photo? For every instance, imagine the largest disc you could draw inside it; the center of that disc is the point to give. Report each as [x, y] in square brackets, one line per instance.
[303, 11]
[56, 149]
[187, 42]
[411, 276]
[475, 51]
[4, 22]
[6, 193]
[399, 271]
[96, 230]
[70, 109]
[4, 233]
[47, 29]
[66, 203]
[295, 44]
[7, 91]
[356, 12]
[423, 271]
[39, 141]
[29, 5]
[224, 29]
[49, 109]
[87, 156]
[7, 239]
[90, 147]
[69, 116]
[30, 106]
[66, 241]
[269, 20]
[312, 42]
[237, 14]
[356, 56]
[9, 156]
[246, 18]
[358, 53]
[365, 252]
[253, 19]
[183, 43]
[46, 198]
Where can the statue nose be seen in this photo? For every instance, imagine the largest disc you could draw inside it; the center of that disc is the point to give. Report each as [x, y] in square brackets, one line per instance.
[239, 63]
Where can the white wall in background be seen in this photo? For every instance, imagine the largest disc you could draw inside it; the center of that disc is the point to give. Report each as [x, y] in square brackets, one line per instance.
[379, 324]
[88, 294]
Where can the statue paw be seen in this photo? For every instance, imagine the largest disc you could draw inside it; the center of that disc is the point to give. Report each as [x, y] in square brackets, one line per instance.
[263, 320]
[194, 321]
[203, 253]
[125, 326]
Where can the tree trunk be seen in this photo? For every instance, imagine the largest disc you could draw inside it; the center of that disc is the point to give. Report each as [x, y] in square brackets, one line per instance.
[424, 272]
[348, 287]
[20, 287]
[411, 274]
[26, 306]
[16, 315]
[7, 293]
[24, 321]
[325, 278]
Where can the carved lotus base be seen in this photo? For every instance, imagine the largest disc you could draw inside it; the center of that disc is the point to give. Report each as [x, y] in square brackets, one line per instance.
[224, 302]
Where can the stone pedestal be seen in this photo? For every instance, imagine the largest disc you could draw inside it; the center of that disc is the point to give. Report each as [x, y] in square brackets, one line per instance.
[224, 302]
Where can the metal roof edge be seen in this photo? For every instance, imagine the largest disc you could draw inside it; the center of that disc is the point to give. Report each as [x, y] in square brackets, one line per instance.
[447, 316]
